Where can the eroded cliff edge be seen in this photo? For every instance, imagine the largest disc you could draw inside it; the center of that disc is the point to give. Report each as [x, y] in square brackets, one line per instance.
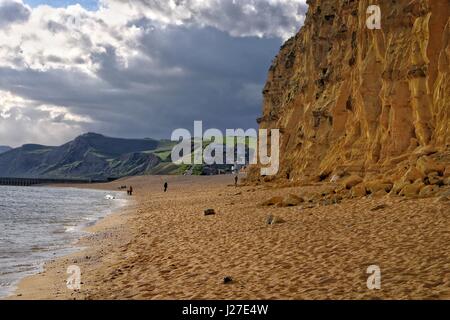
[354, 101]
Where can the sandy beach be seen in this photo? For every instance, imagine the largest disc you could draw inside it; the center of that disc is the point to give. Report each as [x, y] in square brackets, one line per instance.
[162, 246]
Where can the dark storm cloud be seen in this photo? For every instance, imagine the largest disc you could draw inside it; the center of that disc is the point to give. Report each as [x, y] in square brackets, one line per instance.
[215, 82]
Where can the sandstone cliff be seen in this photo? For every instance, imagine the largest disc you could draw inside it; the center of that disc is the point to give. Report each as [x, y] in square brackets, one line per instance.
[349, 100]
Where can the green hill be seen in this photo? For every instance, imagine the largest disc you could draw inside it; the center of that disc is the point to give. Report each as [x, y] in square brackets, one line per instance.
[88, 156]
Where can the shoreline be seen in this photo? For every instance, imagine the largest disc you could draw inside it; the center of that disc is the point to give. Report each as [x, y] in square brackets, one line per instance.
[163, 247]
[27, 285]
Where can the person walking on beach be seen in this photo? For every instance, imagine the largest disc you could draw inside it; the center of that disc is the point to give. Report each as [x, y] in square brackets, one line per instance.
[166, 185]
[236, 180]
[130, 192]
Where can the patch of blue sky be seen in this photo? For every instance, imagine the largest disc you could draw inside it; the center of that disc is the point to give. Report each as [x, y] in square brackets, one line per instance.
[87, 4]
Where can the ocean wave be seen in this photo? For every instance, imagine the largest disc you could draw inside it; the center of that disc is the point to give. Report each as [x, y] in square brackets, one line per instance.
[44, 223]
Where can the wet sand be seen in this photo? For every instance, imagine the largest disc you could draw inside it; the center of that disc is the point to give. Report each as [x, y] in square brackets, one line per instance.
[162, 246]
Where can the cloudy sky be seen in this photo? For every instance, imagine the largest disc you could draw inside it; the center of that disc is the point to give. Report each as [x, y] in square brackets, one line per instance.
[136, 68]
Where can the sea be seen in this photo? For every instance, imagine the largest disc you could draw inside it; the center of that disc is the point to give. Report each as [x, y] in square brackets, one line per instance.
[38, 224]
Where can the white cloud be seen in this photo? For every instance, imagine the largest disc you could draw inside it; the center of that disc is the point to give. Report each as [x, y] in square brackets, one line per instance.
[268, 18]
[12, 12]
[20, 118]
[50, 37]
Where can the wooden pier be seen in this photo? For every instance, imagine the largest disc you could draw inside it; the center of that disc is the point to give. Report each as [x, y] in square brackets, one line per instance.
[27, 182]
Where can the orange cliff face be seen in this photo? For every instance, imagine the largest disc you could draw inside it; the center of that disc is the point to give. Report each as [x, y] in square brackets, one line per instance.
[350, 100]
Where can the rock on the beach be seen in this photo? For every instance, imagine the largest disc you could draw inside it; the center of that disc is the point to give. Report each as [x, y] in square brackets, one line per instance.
[227, 280]
[379, 185]
[434, 178]
[209, 212]
[271, 220]
[447, 181]
[427, 165]
[272, 202]
[352, 181]
[379, 207]
[411, 190]
[428, 191]
[292, 201]
[336, 199]
[359, 191]
[379, 193]
[413, 174]
[447, 171]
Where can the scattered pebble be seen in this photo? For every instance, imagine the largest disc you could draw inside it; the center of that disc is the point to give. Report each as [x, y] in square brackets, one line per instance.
[227, 280]
[379, 207]
[210, 212]
[271, 220]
